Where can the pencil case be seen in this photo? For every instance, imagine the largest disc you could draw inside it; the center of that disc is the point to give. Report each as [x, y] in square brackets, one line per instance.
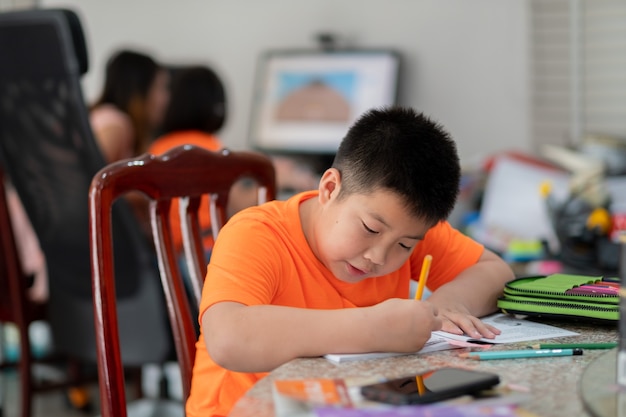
[562, 296]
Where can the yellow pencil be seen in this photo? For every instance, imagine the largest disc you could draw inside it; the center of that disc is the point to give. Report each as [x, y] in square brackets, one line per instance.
[421, 387]
[423, 277]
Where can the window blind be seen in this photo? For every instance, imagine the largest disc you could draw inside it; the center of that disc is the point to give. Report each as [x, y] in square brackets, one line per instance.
[578, 70]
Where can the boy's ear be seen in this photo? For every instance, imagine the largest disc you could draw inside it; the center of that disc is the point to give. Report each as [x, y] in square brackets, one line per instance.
[329, 186]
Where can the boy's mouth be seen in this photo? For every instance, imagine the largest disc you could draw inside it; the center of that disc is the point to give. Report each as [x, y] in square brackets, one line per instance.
[356, 271]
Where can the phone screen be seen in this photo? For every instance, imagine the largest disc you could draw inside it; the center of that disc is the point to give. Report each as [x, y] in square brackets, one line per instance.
[436, 385]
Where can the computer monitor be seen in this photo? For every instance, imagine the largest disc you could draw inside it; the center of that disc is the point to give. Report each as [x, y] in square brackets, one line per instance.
[305, 101]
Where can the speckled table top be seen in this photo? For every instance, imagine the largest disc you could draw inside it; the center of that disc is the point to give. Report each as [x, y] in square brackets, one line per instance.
[553, 382]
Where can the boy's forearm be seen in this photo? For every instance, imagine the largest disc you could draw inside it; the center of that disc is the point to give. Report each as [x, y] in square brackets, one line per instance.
[478, 287]
[260, 338]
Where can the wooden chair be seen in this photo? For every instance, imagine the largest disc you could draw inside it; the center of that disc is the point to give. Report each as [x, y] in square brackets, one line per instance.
[188, 173]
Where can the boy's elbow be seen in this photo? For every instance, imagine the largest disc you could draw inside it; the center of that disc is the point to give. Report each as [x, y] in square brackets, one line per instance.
[222, 351]
[506, 272]
[501, 269]
[222, 343]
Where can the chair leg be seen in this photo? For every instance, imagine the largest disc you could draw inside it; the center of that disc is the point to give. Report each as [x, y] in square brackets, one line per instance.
[2, 387]
[136, 376]
[1, 373]
[25, 372]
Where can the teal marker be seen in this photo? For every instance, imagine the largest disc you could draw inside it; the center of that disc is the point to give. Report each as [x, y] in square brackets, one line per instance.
[523, 353]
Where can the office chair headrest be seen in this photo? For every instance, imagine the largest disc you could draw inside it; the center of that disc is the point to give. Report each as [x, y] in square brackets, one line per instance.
[30, 44]
[78, 39]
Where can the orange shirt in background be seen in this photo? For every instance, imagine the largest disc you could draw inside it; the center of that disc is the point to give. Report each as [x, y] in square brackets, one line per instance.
[202, 140]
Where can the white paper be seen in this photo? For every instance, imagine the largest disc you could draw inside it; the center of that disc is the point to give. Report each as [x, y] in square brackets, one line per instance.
[435, 343]
[512, 330]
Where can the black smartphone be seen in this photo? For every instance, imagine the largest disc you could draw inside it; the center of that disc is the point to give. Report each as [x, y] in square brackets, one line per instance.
[436, 385]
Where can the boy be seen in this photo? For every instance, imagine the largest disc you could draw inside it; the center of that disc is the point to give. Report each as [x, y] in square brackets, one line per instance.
[328, 271]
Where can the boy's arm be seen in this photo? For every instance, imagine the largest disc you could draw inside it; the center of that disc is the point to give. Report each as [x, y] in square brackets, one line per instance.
[261, 337]
[473, 293]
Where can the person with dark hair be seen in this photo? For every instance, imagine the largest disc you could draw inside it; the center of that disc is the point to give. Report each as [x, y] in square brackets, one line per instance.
[329, 270]
[130, 109]
[198, 102]
[197, 110]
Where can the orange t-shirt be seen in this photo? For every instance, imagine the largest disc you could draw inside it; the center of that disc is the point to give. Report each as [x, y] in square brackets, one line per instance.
[202, 140]
[262, 257]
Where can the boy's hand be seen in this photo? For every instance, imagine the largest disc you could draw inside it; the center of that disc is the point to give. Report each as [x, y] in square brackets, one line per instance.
[473, 293]
[403, 325]
[457, 320]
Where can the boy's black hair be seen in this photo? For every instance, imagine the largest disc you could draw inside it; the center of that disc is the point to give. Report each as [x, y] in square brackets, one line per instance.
[404, 151]
[197, 101]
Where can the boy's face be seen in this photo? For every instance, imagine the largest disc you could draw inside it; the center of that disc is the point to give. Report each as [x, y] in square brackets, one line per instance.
[363, 235]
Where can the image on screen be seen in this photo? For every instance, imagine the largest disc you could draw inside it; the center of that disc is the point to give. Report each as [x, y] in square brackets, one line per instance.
[306, 101]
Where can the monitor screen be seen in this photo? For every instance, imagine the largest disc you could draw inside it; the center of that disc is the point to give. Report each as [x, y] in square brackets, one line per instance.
[305, 101]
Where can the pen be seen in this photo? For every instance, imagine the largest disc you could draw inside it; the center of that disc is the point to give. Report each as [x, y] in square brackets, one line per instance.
[608, 345]
[523, 353]
[423, 277]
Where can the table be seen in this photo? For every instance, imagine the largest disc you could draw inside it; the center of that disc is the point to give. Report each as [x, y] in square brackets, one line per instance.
[554, 382]
[600, 394]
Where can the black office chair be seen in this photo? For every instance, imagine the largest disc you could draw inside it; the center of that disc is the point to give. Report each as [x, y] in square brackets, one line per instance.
[49, 152]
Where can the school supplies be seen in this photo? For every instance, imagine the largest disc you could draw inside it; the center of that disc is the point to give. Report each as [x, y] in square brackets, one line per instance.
[522, 353]
[423, 277]
[513, 330]
[608, 345]
[563, 296]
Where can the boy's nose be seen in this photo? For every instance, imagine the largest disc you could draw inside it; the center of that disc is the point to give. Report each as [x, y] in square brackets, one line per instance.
[376, 255]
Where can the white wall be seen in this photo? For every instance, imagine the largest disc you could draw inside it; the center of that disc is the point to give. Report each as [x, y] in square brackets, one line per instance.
[466, 63]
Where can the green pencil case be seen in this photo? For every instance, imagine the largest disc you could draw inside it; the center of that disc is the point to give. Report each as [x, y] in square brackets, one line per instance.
[562, 296]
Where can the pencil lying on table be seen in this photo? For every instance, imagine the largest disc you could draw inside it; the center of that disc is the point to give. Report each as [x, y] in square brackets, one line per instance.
[522, 353]
[606, 345]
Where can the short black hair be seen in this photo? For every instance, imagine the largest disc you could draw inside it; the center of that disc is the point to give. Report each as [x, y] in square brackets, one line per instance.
[197, 101]
[399, 149]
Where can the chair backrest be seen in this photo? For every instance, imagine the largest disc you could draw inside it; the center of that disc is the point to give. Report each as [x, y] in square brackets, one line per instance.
[49, 152]
[46, 144]
[187, 173]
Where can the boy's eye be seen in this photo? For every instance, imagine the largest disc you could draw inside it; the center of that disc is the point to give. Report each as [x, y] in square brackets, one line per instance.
[368, 229]
[403, 246]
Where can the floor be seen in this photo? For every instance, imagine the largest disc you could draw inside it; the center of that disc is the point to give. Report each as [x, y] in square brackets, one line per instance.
[56, 404]
[52, 403]
[156, 380]
[48, 404]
